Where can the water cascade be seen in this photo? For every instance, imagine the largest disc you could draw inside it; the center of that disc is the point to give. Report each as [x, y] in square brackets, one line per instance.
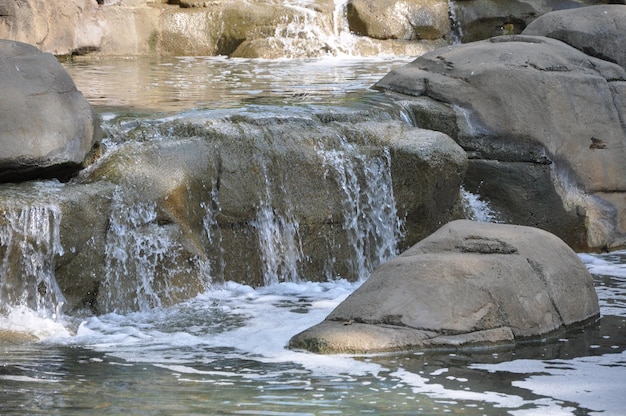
[369, 210]
[31, 234]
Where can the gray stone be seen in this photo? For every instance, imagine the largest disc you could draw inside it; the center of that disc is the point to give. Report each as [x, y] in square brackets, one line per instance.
[469, 284]
[512, 101]
[599, 31]
[47, 127]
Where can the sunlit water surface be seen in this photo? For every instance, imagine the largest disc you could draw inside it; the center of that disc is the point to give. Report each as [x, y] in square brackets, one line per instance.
[224, 351]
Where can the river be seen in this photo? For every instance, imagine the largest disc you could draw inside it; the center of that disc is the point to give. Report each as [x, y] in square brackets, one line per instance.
[223, 352]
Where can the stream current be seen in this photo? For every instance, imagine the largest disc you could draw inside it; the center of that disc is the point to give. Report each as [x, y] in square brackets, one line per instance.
[223, 352]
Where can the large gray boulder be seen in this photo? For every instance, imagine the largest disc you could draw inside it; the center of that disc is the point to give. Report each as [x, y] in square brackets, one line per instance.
[599, 31]
[469, 284]
[510, 103]
[47, 127]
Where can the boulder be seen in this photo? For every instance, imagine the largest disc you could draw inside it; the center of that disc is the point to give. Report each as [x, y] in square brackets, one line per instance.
[599, 31]
[47, 127]
[469, 284]
[482, 19]
[406, 20]
[509, 99]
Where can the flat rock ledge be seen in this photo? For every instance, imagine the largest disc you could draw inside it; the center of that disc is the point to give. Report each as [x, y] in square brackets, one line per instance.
[467, 285]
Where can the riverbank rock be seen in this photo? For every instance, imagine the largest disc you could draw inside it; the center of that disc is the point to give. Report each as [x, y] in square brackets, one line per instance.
[47, 127]
[542, 153]
[469, 284]
[598, 31]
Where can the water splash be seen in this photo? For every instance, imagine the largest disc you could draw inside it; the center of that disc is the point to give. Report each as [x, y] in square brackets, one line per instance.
[29, 242]
[370, 218]
[478, 209]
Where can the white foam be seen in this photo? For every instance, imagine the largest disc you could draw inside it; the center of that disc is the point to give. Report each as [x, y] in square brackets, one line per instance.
[24, 320]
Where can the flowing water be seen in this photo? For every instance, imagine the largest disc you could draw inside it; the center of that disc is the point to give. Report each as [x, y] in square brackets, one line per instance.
[223, 352]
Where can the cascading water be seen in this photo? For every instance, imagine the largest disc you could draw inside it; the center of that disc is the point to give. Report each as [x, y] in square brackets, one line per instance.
[370, 217]
[279, 241]
[29, 241]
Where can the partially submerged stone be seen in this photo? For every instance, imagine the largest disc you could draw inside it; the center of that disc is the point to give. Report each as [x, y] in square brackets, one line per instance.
[468, 284]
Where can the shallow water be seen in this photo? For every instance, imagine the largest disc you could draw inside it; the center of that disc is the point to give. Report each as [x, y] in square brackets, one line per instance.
[223, 352]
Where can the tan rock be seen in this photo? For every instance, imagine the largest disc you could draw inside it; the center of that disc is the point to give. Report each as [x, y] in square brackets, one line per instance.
[467, 284]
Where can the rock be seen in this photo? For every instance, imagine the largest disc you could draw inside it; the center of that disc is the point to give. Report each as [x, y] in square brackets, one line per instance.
[48, 129]
[482, 19]
[599, 31]
[469, 284]
[406, 20]
[509, 99]
[189, 202]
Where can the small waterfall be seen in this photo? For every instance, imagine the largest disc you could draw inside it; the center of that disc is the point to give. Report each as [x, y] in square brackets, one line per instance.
[370, 216]
[456, 31]
[478, 209]
[214, 266]
[279, 242]
[29, 242]
[144, 257]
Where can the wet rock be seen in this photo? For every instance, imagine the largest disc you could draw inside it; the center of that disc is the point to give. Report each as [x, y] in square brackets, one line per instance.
[47, 128]
[187, 203]
[509, 99]
[469, 284]
[599, 31]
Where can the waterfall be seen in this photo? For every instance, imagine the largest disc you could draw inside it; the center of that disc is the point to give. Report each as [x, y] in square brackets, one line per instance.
[29, 242]
[456, 31]
[478, 209]
[279, 242]
[369, 208]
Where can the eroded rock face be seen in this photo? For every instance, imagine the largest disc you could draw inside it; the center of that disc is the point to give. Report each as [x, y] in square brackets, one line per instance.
[510, 99]
[47, 127]
[467, 284]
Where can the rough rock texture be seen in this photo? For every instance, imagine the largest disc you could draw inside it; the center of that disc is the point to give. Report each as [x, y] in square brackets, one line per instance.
[401, 19]
[47, 128]
[468, 284]
[481, 19]
[187, 201]
[599, 31]
[510, 99]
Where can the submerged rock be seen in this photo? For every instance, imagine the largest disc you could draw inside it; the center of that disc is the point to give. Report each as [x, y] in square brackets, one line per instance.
[543, 153]
[47, 127]
[469, 284]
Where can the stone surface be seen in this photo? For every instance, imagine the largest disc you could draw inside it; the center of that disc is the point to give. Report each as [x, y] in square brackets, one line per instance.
[47, 127]
[599, 31]
[510, 99]
[407, 20]
[468, 284]
[482, 19]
